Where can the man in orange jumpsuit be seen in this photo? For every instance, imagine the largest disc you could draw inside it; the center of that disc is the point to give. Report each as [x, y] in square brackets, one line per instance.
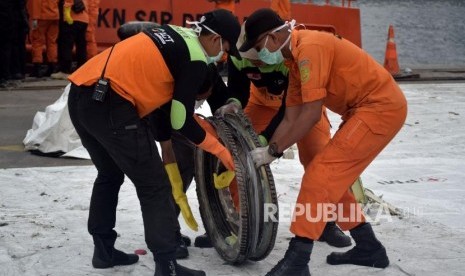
[45, 17]
[109, 99]
[328, 70]
[92, 27]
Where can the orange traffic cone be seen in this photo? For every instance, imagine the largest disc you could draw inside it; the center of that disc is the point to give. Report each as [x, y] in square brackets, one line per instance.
[390, 59]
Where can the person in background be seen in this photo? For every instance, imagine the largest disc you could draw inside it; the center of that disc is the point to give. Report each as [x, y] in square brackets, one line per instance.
[93, 8]
[229, 5]
[72, 33]
[282, 8]
[109, 99]
[6, 39]
[45, 17]
[13, 31]
[325, 69]
[21, 29]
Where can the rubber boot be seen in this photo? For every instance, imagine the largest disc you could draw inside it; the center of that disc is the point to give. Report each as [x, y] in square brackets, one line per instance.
[171, 267]
[203, 241]
[105, 255]
[334, 236]
[295, 261]
[368, 251]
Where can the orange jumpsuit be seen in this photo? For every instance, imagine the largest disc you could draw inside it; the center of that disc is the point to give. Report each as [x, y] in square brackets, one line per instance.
[266, 86]
[46, 32]
[261, 109]
[282, 8]
[93, 10]
[373, 109]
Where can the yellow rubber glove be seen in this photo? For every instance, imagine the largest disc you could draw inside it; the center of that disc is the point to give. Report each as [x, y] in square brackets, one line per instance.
[179, 196]
[67, 15]
[223, 180]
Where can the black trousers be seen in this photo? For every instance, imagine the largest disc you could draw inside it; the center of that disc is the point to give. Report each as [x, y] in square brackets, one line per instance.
[120, 143]
[18, 54]
[70, 35]
[6, 47]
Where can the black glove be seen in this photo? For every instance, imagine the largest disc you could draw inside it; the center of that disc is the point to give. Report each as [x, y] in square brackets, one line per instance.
[78, 6]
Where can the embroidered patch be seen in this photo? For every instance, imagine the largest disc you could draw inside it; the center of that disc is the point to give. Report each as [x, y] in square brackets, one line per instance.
[304, 70]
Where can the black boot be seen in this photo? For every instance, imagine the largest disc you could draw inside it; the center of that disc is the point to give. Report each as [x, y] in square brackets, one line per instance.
[203, 241]
[334, 236]
[105, 255]
[368, 251]
[295, 261]
[186, 240]
[36, 71]
[52, 68]
[181, 250]
[169, 268]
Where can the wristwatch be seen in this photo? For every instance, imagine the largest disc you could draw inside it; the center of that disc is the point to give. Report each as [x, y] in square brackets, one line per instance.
[273, 150]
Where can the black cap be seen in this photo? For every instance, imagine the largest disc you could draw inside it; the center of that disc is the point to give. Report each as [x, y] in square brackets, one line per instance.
[226, 25]
[259, 22]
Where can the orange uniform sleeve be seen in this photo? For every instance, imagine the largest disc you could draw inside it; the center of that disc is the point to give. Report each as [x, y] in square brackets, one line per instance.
[310, 70]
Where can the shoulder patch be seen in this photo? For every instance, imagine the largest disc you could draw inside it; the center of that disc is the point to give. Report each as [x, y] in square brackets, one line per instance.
[304, 69]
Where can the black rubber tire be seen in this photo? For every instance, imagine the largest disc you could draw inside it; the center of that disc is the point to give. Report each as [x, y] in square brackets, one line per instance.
[268, 228]
[255, 238]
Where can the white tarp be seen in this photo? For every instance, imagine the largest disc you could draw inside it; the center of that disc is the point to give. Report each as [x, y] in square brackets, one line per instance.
[52, 131]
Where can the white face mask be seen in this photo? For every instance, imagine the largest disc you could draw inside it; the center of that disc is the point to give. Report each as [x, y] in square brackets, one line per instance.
[275, 57]
[198, 29]
[218, 56]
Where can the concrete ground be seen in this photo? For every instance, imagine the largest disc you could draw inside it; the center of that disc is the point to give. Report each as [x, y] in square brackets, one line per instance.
[18, 105]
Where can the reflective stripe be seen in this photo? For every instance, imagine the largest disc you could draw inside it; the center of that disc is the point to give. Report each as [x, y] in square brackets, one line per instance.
[178, 114]
[192, 42]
